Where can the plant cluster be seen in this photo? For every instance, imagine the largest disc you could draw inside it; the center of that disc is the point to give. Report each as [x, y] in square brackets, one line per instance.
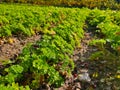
[107, 26]
[48, 60]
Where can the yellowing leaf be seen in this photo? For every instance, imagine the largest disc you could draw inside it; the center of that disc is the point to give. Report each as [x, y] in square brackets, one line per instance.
[10, 40]
[52, 32]
[117, 76]
[95, 74]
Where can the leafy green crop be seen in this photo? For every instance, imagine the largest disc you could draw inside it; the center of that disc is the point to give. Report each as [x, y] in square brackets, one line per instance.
[106, 23]
[48, 60]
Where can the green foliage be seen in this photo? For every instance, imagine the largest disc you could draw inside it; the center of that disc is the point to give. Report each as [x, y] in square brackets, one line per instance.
[107, 24]
[116, 15]
[14, 86]
[48, 60]
[14, 72]
[98, 16]
[14, 21]
[16, 69]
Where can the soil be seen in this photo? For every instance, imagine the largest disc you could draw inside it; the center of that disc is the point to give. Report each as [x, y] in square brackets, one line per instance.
[10, 50]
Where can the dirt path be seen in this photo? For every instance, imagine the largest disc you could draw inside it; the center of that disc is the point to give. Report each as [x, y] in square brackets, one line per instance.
[80, 57]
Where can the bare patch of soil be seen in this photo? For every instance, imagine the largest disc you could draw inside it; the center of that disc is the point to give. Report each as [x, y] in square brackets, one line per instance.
[11, 49]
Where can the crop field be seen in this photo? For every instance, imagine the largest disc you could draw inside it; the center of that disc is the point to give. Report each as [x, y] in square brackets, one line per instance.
[49, 60]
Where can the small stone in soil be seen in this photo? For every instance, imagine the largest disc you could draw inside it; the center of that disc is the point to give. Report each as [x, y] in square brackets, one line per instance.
[84, 76]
